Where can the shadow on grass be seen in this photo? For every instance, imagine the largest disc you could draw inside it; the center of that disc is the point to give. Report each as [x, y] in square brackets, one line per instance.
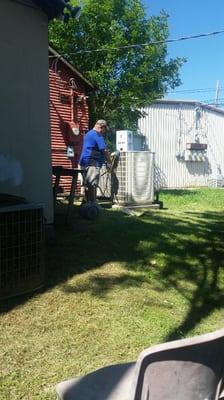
[206, 273]
[100, 285]
[191, 250]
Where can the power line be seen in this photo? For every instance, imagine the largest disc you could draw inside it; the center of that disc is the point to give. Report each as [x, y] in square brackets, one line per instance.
[212, 100]
[202, 90]
[140, 45]
[217, 106]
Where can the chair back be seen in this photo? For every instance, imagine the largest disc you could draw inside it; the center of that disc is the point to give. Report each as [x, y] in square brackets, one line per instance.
[187, 369]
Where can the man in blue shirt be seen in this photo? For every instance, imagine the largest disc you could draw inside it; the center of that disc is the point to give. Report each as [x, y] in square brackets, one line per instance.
[94, 154]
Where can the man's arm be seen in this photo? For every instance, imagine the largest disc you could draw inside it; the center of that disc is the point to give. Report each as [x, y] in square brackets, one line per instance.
[102, 147]
[107, 156]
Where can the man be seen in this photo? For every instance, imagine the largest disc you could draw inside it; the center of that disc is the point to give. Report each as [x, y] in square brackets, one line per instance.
[94, 154]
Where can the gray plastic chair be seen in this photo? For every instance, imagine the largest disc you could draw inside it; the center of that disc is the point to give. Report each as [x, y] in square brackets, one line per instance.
[187, 369]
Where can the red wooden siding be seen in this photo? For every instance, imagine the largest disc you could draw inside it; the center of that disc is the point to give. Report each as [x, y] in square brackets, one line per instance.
[67, 104]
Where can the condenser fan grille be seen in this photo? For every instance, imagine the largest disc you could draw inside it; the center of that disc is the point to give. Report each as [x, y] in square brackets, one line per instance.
[21, 249]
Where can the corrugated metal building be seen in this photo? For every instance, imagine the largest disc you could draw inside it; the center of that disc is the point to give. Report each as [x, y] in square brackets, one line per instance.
[69, 114]
[188, 140]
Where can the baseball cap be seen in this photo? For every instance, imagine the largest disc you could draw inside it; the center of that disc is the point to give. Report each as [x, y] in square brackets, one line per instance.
[101, 122]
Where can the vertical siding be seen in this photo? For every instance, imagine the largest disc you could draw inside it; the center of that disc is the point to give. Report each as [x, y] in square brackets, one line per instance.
[168, 127]
[62, 112]
[215, 127]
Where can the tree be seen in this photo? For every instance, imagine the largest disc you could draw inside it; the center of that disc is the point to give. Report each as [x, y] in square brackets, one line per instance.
[125, 79]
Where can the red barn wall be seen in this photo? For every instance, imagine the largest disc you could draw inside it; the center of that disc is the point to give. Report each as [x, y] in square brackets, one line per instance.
[67, 105]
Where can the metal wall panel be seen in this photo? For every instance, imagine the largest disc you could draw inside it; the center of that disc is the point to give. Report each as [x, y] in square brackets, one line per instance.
[64, 108]
[169, 126]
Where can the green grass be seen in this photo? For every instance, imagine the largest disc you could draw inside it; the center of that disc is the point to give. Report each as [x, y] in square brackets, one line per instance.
[193, 199]
[114, 287]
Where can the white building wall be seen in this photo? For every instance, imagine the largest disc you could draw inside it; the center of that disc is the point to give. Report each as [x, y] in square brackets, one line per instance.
[168, 126]
[215, 128]
[25, 155]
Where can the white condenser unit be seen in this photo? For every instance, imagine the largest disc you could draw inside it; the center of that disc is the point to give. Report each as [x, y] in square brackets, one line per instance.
[129, 141]
[135, 178]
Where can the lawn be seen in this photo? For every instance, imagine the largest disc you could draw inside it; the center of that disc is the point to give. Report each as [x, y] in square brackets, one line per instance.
[114, 287]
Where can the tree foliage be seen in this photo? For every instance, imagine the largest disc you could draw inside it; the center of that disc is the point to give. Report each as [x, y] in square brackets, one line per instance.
[125, 79]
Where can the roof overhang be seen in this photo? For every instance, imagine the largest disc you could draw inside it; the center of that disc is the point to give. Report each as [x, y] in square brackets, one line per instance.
[53, 8]
[193, 103]
[70, 66]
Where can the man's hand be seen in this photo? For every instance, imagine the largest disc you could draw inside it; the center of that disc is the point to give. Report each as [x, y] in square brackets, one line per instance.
[107, 156]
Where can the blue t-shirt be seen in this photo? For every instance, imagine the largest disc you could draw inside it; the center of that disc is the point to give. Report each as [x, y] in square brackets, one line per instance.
[92, 150]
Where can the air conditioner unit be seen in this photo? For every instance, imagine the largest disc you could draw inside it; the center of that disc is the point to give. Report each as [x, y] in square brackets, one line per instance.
[129, 141]
[135, 178]
[21, 249]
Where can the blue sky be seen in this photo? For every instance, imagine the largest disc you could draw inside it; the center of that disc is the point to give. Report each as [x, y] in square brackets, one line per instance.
[205, 56]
